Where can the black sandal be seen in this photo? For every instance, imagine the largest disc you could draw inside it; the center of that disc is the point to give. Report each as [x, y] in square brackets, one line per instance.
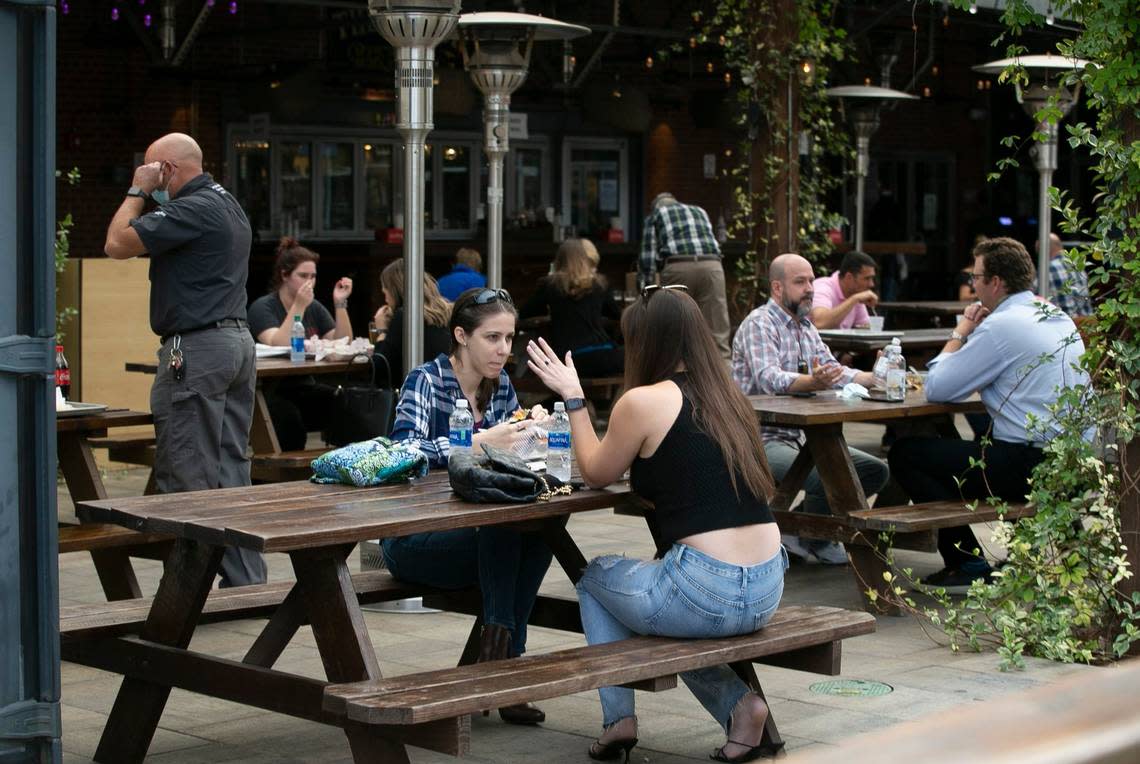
[753, 753]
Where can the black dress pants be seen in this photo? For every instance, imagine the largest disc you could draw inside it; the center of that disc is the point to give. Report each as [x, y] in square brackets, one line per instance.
[927, 469]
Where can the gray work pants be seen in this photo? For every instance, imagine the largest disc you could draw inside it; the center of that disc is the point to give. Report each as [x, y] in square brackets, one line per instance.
[872, 472]
[201, 424]
[705, 280]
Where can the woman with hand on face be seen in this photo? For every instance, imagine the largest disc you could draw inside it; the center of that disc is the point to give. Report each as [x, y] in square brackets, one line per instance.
[508, 565]
[297, 405]
[291, 294]
[389, 320]
[692, 447]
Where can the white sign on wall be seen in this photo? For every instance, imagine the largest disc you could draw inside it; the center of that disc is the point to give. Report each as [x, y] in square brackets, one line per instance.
[518, 126]
[709, 165]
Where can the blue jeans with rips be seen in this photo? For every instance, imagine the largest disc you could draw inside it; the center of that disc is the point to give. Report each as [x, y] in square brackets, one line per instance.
[685, 594]
[507, 565]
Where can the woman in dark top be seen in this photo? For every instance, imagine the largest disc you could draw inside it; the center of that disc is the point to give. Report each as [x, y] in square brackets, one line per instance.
[297, 405]
[579, 304]
[692, 446]
[389, 319]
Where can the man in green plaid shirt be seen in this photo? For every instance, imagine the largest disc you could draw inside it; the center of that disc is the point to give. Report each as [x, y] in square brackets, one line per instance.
[681, 236]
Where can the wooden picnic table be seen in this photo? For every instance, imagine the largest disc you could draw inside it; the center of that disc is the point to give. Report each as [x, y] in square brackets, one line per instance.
[318, 526]
[822, 418]
[928, 307]
[262, 434]
[110, 552]
[863, 340]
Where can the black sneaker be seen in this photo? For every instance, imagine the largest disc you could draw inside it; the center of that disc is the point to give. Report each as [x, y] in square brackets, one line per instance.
[955, 580]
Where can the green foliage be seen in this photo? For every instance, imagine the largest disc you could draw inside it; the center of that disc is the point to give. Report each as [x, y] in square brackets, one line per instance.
[760, 69]
[62, 250]
[1060, 594]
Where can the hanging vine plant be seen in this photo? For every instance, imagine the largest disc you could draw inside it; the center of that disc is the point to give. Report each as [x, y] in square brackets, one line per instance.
[765, 44]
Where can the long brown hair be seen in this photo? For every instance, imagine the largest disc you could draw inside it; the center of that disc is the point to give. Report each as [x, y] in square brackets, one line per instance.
[666, 331]
[437, 311]
[466, 313]
[574, 270]
[290, 254]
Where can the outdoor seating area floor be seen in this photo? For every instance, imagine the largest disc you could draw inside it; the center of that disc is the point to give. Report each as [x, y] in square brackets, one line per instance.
[925, 677]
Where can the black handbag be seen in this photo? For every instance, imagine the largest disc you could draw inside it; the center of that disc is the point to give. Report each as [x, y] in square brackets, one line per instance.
[361, 412]
[497, 476]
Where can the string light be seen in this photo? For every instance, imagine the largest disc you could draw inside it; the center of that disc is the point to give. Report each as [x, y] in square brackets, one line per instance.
[1049, 17]
[146, 20]
[709, 67]
[973, 9]
[805, 67]
[728, 78]
[233, 7]
[692, 42]
[926, 92]
[115, 13]
[64, 7]
[649, 62]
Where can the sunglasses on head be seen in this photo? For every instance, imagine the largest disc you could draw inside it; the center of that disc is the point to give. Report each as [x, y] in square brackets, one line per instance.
[490, 295]
[652, 289]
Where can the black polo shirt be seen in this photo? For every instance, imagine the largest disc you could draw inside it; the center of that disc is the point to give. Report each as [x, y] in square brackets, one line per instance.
[199, 257]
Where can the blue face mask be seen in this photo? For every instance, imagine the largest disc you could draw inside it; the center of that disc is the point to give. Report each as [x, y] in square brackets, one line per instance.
[161, 196]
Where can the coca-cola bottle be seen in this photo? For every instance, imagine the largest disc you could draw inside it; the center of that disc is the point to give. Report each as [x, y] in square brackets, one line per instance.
[62, 373]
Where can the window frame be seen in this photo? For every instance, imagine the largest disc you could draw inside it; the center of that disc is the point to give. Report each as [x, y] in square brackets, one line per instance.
[621, 145]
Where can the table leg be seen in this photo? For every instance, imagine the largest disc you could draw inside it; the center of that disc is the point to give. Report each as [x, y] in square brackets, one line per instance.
[81, 473]
[567, 553]
[262, 436]
[845, 494]
[793, 481]
[181, 595]
[278, 632]
[342, 638]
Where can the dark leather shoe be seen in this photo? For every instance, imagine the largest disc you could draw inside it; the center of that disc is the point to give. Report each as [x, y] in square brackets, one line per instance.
[523, 713]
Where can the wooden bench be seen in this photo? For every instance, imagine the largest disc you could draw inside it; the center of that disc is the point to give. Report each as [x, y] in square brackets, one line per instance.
[112, 619]
[98, 536]
[284, 466]
[915, 526]
[808, 637]
[129, 449]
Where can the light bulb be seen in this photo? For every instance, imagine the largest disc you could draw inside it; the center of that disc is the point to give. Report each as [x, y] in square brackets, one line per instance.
[1049, 17]
[973, 8]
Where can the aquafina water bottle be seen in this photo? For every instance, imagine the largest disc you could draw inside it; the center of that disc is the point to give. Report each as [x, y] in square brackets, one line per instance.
[884, 362]
[297, 341]
[558, 443]
[459, 426]
[896, 377]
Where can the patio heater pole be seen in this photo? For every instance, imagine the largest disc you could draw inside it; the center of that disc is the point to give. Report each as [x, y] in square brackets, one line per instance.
[414, 28]
[496, 53]
[862, 104]
[1034, 97]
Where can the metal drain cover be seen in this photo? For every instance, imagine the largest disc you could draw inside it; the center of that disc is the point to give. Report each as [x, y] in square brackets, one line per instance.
[851, 688]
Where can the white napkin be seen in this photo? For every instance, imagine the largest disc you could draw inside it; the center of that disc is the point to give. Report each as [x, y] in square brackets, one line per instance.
[853, 391]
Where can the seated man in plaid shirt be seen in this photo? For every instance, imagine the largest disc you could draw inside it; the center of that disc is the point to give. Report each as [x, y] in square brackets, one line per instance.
[1068, 287]
[681, 236]
[778, 350]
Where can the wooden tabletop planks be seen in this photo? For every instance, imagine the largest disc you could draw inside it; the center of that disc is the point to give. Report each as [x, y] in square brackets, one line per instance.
[826, 408]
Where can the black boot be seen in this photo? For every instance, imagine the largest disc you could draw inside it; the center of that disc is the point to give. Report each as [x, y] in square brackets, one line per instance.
[494, 645]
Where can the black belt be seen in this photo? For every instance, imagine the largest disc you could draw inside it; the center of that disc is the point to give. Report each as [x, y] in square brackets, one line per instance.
[225, 323]
[690, 258]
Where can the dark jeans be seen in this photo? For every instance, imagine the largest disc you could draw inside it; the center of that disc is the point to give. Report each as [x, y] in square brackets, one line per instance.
[926, 468]
[508, 566]
[296, 408]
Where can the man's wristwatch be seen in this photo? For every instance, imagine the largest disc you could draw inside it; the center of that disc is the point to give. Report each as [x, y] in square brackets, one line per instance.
[954, 335]
[573, 404]
[136, 191]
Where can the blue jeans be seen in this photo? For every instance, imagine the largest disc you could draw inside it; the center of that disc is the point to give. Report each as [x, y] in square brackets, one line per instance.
[508, 566]
[872, 472]
[685, 594]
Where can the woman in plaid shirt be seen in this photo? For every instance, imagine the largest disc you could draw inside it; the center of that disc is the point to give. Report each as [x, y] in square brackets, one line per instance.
[507, 565]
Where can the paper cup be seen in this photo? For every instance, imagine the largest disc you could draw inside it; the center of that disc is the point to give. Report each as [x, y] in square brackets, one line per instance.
[876, 323]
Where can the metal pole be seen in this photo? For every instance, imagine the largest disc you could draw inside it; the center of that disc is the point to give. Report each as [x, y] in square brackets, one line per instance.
[496, 123]
[1046, 159]
[862, 165]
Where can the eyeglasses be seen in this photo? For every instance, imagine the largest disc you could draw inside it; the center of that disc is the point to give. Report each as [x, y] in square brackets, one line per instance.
[975, 276]
[652, 289]
[490, 295]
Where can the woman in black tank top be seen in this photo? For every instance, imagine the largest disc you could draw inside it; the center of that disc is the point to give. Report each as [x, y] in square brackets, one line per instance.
[692, 445]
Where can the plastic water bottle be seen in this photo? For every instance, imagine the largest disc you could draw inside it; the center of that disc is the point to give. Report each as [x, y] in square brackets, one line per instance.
[459, 426]
[558, 443]
[884, 362]
[297, 341]
[896, 377]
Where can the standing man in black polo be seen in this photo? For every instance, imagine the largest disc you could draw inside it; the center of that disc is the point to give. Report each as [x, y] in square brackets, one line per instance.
[198, 239]
[682, 236]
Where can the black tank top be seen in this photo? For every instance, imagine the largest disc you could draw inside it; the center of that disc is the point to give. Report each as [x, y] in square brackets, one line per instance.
[687, 481]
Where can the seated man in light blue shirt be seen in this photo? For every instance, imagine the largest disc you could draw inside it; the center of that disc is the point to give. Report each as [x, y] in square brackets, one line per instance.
[1017, 352]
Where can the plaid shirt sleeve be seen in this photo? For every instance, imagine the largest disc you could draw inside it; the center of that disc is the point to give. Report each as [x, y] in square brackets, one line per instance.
[414, 418]
[503, 403]
[647, 258]
[821, 354]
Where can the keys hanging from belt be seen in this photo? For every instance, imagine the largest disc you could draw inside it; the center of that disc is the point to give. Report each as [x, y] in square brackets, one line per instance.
[177, 361]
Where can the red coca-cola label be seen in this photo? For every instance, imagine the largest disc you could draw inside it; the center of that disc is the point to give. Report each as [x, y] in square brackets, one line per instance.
[62, 377]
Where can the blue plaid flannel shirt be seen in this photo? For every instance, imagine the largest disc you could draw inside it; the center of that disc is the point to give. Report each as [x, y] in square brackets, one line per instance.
[1069, 288]
[427, 400]
[674, 229]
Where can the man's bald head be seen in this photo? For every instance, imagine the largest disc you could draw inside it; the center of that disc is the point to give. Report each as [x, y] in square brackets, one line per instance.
[1055, 246]
[778, 268]
[178, 148]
